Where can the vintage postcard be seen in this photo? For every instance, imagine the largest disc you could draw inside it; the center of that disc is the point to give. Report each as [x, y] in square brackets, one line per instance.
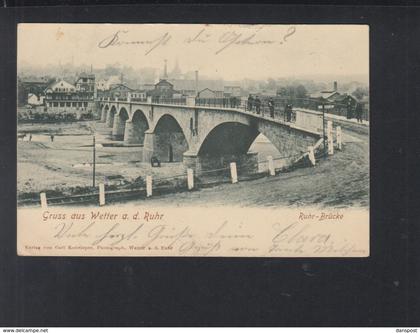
[193, 140]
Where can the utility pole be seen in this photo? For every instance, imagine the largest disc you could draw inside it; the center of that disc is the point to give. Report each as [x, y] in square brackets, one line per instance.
[323, 128]
[94, 160]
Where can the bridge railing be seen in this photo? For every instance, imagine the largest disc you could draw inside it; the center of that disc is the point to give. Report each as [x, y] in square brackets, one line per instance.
[274, 107]
[318, 105]
[347, 110]
[222, 102]
[174, 101]
[139, 99]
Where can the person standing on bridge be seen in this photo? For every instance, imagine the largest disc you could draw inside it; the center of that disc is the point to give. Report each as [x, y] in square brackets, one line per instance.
[233, 102]
[257, 105]
[271, 107]
[250, 102]
[289, 112]
[349, 110]
[359, 112]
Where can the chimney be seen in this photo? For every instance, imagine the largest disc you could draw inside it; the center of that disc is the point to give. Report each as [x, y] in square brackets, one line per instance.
[196, 83]
[335, 85]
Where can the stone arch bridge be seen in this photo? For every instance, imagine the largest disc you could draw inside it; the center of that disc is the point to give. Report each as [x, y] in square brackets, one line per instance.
[202, 137]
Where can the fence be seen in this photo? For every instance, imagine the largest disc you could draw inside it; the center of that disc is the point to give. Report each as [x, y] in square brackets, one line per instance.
[233, 102]
[148, 186]
[174, 101]
[138, 99]
[277, 111]
[333, 107]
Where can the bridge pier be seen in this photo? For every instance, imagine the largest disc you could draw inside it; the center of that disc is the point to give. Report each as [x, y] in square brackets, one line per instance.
[109, 119]
[118, 128]
[103, 115]
[148, 146]
[134, 132]
[246, 163]
[129, 137]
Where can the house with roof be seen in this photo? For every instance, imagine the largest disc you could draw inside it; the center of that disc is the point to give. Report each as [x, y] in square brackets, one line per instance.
[105, 84]
[147, 86]
[326, 95]
[191, 87]
[234, 91]
[32, 85]
[63, 97]
[208, 93]
[162, 89]
[35, 100]
[118, 90]
[335, 97]
[137, 94]
[85, 83]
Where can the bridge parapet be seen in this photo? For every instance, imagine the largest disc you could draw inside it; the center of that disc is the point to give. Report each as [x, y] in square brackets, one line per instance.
[308, 119]
[305, 120]
[178, 129]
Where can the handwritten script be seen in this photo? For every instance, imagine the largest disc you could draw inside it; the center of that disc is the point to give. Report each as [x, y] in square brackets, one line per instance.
[222, 41]
[161, 233]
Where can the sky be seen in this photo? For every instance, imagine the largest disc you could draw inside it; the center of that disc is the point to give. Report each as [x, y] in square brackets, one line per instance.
[232, 52]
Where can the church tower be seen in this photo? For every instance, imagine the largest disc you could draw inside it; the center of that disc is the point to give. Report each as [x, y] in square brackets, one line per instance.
[165, 70]
[176, 72]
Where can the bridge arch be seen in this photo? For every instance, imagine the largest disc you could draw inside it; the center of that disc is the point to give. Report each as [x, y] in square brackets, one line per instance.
[170, 142]
[118, 128]
[228, 138]
[228, 142]
[231, 141]
[135, 128]
[110, 116]
[104, 111]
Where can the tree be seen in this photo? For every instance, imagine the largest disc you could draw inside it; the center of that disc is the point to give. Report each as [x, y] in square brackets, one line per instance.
[282, 91]
[271, 84]
[360, 92]
[111, 70]
[301, 92]
[293, 91]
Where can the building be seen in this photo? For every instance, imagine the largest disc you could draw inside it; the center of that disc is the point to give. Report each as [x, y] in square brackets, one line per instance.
[35, 100]
[163, 89]
[342, 104]
[343, 99]
[32, 85]
[118, 90]
[176, 72]
[147, 86]
[335, 97]
[134, 95]
[329, 95]
[64, 97]
[106, 84]
[85, 83]
[191, 87]
[208, 93]
[232, 91]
